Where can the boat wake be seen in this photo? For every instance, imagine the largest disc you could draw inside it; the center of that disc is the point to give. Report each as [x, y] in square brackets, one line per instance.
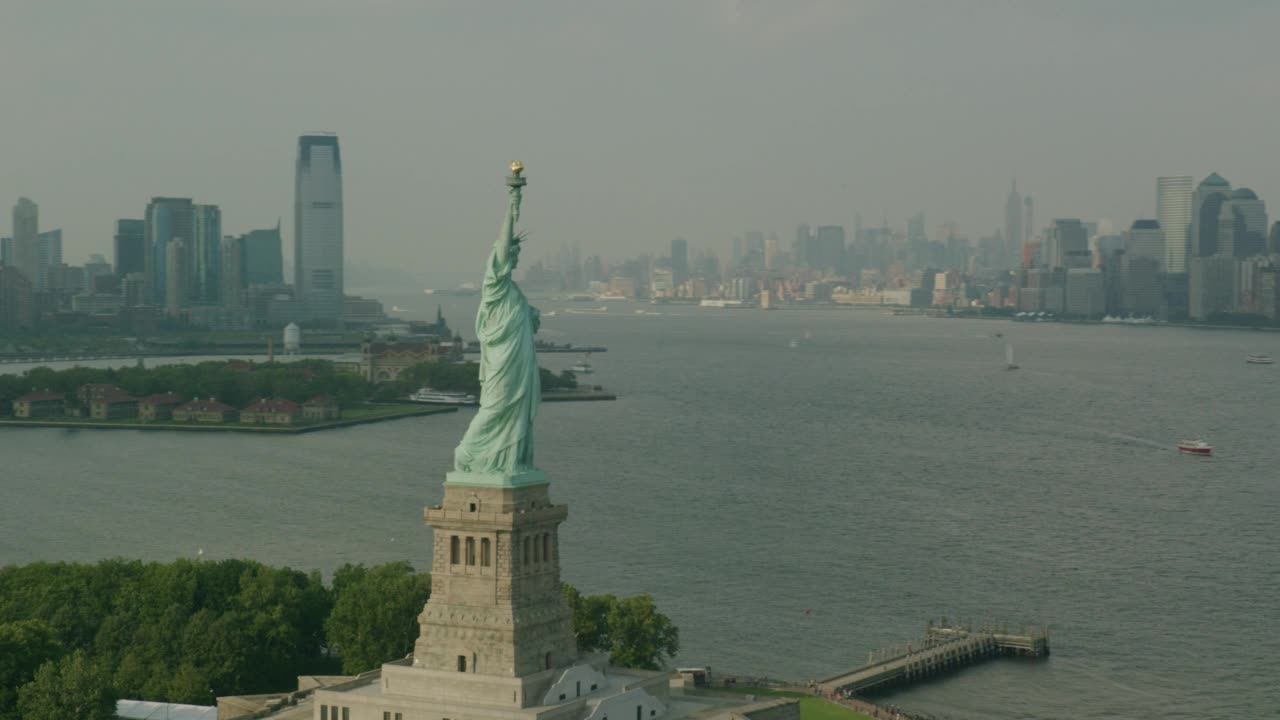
[1133, 440]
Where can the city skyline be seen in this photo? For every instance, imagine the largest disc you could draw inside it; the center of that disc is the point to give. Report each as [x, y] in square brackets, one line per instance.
[886, 142]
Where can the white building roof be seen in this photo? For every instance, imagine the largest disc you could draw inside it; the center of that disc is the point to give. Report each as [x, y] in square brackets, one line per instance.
[146, 710]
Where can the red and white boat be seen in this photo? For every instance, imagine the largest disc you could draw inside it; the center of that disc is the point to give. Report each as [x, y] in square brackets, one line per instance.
[1195, 447]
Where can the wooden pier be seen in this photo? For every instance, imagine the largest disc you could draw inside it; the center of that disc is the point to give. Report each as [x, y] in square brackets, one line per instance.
[945, 647]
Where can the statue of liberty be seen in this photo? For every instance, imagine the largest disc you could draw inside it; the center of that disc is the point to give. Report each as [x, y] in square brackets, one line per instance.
[499, 440]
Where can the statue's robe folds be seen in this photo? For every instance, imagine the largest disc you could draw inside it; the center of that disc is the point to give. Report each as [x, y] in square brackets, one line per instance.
[500, 437]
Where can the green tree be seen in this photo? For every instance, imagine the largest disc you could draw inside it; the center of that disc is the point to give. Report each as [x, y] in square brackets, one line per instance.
[73, 687]
[24, 646]
[631, 629]
[639, 635]
[590, 618]
[374, 618]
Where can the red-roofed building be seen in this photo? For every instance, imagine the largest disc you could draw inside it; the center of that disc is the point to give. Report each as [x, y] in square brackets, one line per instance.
[118, 404]
[321, 407]
[384, 361]
[86, 394]
[204, 411]
[158, 407]
[271, 411]
[40, 405]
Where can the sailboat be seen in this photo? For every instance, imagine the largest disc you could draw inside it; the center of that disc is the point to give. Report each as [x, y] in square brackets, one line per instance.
[1009, 364]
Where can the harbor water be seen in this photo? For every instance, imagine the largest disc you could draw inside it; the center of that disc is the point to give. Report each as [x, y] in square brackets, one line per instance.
[796, 488]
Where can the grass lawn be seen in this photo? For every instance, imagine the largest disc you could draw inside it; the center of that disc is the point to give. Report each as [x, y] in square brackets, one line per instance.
[811, 707]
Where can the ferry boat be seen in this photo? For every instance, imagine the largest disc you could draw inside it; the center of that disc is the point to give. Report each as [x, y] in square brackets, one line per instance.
[1195, 447]
[442, 397]
[582, 367]
[1259, 359]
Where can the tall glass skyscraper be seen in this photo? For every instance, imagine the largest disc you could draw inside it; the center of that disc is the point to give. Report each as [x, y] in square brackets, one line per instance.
[204, 254]
[130, 246]
[317, 228]
[1173, 212]
[167, 219]
[263, 261]
[1206, 209]
[1013, 227]
[26, 244]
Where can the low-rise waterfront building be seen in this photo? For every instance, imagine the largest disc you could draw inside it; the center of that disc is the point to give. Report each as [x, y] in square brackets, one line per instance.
[158, 407]
[204, 411]
[89, 392]
[112, 405]
[40, 405]
[271, 411]
[321, 407]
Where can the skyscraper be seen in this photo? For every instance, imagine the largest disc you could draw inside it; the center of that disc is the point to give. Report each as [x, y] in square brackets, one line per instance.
[1173, 211]
[263, 257]
[1249, 217]
[915, 228]
[6, 251]
[167, 219]
[26, 231]
[130, 247]
[1206, 208]
[317, 244]
[175, 277]
[1145, 239]
[679, 261]
[829, 242]
[48, 256]
[1066, 245]
[800, 249]
[1028, 221]
[232, 278]
[1013, 227]
[771, 259]
[204, 254]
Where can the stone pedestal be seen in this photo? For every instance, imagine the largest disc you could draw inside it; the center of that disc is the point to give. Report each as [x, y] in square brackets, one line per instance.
[496, 606]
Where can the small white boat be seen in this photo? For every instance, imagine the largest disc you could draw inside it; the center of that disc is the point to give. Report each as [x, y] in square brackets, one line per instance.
[582, 367]
[1195, 447]
[1259, 360]
[794, 343]
[1009, 364]
[442, 397]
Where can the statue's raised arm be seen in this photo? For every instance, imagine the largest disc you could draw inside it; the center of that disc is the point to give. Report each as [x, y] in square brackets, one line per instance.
[498, 445]
[508, 240]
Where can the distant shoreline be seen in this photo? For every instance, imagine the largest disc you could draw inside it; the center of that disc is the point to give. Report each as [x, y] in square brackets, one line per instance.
[71, 424]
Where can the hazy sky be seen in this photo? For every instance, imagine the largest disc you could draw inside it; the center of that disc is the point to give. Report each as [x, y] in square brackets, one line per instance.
[638, 121]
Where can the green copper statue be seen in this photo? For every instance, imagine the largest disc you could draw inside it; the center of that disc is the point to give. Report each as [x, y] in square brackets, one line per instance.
[499, 441]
